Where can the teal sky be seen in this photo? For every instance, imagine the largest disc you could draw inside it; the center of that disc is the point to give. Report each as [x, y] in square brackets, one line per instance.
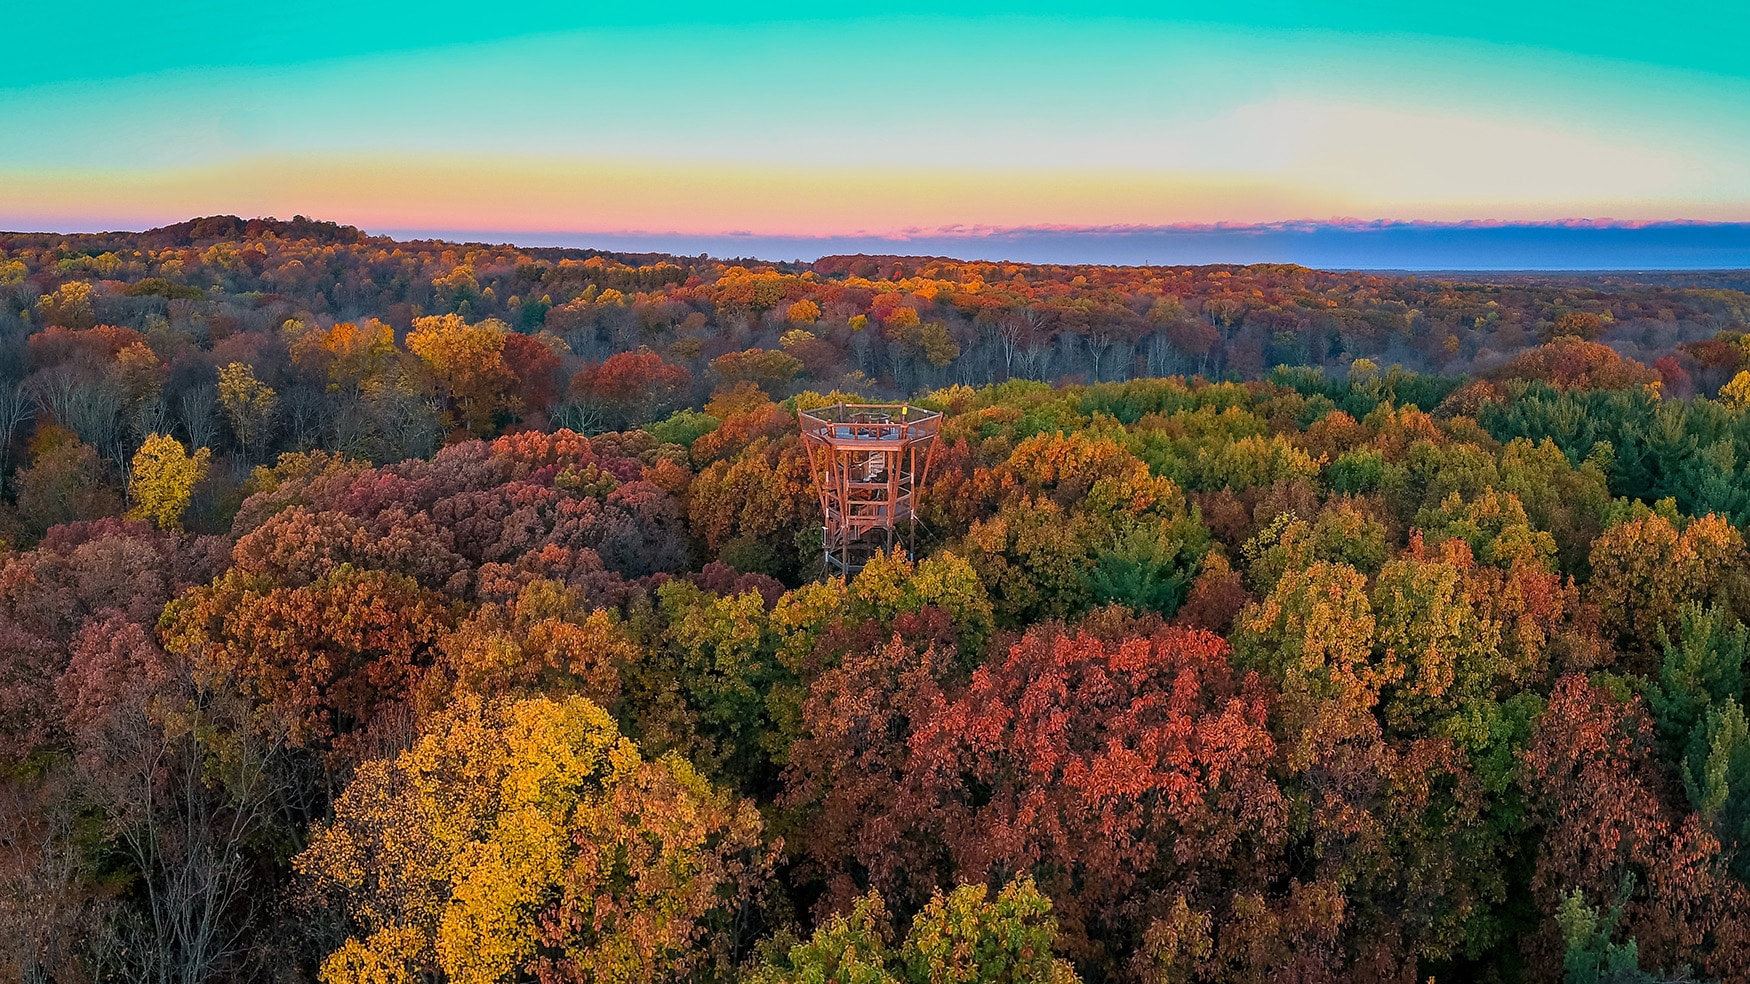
[109, 39]
[797, 119]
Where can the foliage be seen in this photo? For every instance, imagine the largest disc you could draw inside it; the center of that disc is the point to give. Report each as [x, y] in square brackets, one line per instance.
[528, 838]
[963, 937]
[514, 658]
[163, 478]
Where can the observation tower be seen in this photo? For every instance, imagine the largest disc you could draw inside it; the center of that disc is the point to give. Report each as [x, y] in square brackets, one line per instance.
[868, 460]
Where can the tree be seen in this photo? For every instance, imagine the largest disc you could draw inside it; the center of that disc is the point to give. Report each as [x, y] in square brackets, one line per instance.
[1703, 666]
[469, 365]
[1591, 957]
[1592, 785]
[748, 509]
[357, 355]
[630, 388]
[327, 658]
[964, 937]
[1736, 393]
[1579, 324]
[1427, 624]
[547, 641]
[163, 478]
[1124, 772]
[1314, 634]
[1570, 363]
[521, 839]
[16, 409]
[249, 404]
[769, 369]
[535, 361]
[1644, 569]
[69, 306]
[64, 482]
[187, 792]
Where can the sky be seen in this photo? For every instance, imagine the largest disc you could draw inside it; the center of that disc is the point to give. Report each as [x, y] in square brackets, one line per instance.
[796, 127]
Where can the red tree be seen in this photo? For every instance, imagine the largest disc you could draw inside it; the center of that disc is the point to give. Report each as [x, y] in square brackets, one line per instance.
[630, 388]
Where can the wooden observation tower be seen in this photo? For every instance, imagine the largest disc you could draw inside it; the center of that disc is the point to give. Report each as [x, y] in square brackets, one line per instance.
[868, 462]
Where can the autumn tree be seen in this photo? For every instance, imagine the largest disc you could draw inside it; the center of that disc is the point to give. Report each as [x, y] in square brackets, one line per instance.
[64, 482]
[963, 937]
[327, 657]
[1593, 786]
[70, 306]
[1736, 392]
[249, 404]
[1020, 773]
[546, 641]
[750, 510]
[535, 361]
[163, 478]
[1643, 569]
[1571, 363]
[630, 388]
[468, 362]
[769, 369]
[528, 839]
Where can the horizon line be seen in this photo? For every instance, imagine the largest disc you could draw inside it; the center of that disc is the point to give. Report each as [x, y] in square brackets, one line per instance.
[977, 231]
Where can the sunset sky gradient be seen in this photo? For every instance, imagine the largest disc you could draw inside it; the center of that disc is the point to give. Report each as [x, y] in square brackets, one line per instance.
[540, 119]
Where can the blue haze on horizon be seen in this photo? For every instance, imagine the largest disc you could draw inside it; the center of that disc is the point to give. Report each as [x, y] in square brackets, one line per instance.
[1393, 246]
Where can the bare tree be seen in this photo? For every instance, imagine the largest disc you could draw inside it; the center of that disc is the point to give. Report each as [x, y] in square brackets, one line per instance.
[1099, 341]
[1162, 360]
[305, 409]
[582, 417]
[1012, 332]
[351, 428]
[90, 409]
[184, 810]
[16, 408]
[52, 390]
[1123, 360]
[408, 422]
[1032, 359]
[44, 913]
[196, 408]
[151, 417]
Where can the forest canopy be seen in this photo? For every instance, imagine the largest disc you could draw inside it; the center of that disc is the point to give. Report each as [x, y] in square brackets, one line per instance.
[380, 611]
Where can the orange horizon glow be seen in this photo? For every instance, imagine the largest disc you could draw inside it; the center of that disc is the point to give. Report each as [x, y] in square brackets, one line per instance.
[554, 196]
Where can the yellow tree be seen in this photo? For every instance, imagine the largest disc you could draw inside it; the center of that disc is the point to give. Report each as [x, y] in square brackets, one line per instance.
[1736, 393]
[528, 839]
[70, 306]
[163, 479]
[468, 363]
[354, 356]
[249, 404]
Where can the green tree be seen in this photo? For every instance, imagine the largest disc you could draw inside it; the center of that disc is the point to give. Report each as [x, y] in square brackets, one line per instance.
[1716, 775]
[1703, 667]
